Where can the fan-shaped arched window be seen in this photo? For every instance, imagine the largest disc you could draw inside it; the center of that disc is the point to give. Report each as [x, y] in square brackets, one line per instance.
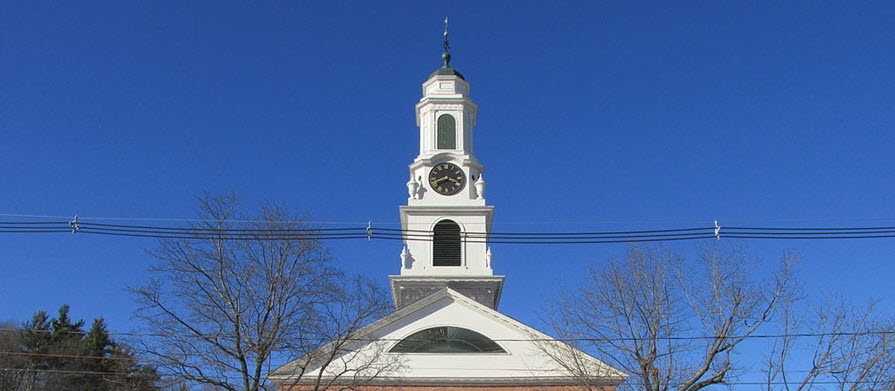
[447, 339]
[446, 244]
[447, 132]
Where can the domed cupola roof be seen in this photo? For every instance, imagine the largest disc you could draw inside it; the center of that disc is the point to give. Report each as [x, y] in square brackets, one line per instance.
[446, 58]
[446, 69]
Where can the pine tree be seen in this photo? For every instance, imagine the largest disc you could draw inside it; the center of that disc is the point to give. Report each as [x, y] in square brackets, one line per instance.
[98, 343]
[65, 358]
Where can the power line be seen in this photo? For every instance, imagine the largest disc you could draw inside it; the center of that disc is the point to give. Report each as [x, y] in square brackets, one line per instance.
[304, 233]
[548, 222]
[465, 369]
[76, 372]
[619, 339]
[39, 216]
[53, 355]
[628, 381]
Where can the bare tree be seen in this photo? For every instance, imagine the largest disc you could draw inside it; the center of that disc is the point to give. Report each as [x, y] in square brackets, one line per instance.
[231, 295]
[14, 368]
[672, 324]
[351, 360]
[832, 345]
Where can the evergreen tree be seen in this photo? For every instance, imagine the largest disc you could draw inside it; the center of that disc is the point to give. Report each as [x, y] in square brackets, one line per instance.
[61, 356]
[36, 333]
[98, 343]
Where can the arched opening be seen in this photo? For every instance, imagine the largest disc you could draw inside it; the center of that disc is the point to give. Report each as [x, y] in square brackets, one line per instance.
[446, 135]
[446, 244]
[447, 339]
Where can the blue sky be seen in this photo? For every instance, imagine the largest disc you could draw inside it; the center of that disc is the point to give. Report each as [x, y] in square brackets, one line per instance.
[592, 117]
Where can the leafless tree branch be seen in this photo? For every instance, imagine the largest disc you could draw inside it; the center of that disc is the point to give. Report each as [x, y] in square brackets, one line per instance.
[224, 306]
[634, 312]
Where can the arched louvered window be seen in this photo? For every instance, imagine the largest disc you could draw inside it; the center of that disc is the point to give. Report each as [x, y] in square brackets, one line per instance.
[446, 244]
[447, 339]
[446, 135]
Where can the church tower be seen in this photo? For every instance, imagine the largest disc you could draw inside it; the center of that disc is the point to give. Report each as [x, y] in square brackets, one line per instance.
[446, 222]
[446, 332]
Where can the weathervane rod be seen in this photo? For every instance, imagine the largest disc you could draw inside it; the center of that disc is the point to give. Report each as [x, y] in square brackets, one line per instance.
[447, 44]
[446, 56]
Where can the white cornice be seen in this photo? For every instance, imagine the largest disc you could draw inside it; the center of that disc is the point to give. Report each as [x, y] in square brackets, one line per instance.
[455, 381]
[496, 283]
[451, 278]
[438, 210]
[447, 104]
[465, 160]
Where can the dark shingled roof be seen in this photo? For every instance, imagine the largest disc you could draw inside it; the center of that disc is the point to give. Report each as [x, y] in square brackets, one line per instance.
[447, 71]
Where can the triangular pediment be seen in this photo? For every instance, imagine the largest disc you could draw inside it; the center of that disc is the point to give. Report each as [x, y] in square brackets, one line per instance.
[524, 360]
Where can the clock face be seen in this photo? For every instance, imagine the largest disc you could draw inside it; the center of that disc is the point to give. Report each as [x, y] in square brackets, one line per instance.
[446, 178]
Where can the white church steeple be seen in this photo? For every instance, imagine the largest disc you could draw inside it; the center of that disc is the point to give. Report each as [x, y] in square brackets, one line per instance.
[446, 221]
[446, 332]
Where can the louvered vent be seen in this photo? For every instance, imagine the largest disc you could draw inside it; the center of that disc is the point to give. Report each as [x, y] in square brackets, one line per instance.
[447, 132]
[446, 244]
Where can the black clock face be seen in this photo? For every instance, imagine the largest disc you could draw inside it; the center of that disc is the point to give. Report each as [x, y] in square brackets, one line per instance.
[446, 178]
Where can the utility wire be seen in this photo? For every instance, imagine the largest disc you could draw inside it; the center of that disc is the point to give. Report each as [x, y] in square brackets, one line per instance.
[632, 381]
[619, 339]
[282, 231]
[593, 222]
[526, 370]
[522, 370]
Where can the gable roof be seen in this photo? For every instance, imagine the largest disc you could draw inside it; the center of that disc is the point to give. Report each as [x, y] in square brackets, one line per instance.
[525, 362]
